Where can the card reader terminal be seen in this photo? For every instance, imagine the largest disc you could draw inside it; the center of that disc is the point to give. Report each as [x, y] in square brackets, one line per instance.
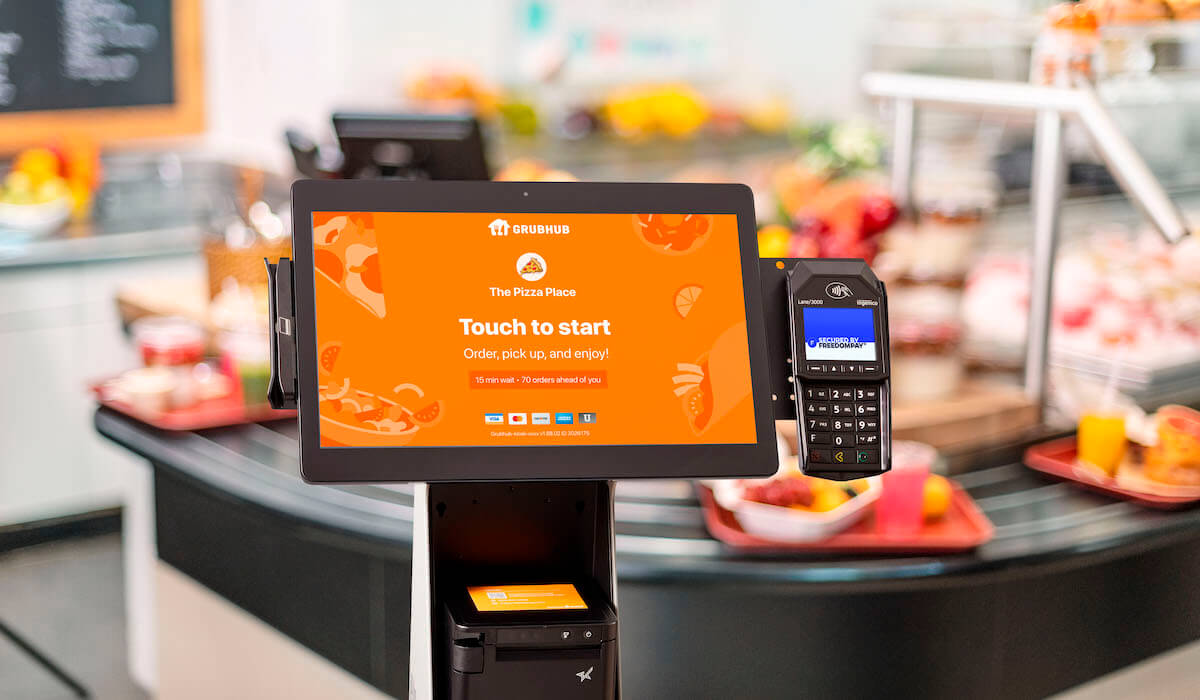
[842, 387]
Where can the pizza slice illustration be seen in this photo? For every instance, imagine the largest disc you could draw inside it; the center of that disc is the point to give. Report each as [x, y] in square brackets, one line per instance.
[346, 252]
[532, 267]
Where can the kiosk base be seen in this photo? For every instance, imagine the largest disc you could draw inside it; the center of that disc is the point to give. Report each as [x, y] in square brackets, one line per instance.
[514, 591]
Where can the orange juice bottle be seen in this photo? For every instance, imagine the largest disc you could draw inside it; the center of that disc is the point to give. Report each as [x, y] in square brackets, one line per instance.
[1101, 441]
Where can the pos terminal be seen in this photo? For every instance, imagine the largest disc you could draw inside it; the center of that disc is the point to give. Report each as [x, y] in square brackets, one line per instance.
[515, 347]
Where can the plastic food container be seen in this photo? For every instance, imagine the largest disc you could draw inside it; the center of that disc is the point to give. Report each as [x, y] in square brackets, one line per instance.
[926, 335]
[149, 390]
[789, 524]
[169, 341]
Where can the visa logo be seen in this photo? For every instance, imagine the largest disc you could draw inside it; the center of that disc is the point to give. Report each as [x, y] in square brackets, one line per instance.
[493, 418]
[563, 419]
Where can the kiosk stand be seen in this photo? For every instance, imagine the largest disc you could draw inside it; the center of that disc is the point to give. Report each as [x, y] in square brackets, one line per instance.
[554, 532]
[514, 589]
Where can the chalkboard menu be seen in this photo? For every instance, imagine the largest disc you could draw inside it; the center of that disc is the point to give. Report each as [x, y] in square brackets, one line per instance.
[107, 70]
[77, 54]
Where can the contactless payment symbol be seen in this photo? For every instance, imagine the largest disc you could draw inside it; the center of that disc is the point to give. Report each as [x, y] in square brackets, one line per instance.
[531, 267]
[837, 290]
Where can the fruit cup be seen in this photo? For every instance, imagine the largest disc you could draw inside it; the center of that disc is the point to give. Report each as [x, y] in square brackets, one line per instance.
[899, 510]
[169, 341]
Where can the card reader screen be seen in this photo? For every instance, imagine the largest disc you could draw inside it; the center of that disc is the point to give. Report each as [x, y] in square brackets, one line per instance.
[839, 334]
[554, 596]
[527, 330]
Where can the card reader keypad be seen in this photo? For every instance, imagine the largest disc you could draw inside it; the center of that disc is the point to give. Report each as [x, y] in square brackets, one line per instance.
[842, 424]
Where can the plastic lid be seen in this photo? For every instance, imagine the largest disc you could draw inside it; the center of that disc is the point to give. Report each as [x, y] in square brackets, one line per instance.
[163, 332]
[907, 454]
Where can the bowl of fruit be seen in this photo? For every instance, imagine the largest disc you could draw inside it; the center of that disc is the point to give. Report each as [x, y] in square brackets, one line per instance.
[28, 210]
[792, 507]
[44, 188]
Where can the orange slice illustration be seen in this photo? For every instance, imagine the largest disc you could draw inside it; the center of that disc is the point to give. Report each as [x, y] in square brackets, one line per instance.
[685, 298]
[329, 354]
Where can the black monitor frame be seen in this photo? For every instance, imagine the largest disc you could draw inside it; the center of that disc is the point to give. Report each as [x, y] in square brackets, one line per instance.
[433, 146]
[523, 463]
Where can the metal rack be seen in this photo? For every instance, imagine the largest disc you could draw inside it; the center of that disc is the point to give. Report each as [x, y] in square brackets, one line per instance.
[1051, 107]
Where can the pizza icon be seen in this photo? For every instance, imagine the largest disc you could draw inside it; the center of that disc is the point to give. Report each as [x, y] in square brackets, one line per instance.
[531, 267]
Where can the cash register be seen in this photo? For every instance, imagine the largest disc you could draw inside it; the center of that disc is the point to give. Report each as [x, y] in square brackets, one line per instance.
[514, 348]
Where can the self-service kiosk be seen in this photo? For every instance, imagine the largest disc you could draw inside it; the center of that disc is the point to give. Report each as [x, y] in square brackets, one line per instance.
[513, 348]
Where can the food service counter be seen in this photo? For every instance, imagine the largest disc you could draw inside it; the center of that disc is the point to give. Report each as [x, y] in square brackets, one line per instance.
[1074, 585]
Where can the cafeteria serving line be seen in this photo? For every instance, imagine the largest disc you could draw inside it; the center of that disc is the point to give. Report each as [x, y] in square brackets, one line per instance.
[327, 568]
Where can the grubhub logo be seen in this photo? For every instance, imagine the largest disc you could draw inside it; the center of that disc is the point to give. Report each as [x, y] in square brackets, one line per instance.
[499, 227]
[838, 290]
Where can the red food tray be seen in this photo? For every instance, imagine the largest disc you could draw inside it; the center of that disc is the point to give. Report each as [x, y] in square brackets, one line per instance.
[1058, 458]
[963, 527]
[214, 413]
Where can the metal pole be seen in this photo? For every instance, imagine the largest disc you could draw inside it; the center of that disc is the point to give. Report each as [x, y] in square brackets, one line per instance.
[1049, 176]
[1128, 167]
[904, 146]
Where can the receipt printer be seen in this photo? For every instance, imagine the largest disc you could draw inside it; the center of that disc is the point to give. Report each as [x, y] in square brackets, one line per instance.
[535, 641]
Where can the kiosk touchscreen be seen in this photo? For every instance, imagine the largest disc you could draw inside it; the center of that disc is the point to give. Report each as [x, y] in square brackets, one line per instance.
[483, 331]
[517, 347]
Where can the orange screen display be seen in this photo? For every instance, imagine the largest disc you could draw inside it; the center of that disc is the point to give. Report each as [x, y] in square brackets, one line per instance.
[552, 596]
[492, 329]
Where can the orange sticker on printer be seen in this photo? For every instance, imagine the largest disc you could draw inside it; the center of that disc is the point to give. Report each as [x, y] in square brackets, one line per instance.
[552, 596]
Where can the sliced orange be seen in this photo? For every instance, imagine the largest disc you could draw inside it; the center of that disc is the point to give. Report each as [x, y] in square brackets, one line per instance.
[685, 298]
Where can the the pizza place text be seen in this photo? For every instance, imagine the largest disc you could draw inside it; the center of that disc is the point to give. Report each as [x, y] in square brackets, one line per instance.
[517, 327]
[531, 292]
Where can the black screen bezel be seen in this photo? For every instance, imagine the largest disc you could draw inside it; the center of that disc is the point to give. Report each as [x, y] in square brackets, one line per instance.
[583, 462]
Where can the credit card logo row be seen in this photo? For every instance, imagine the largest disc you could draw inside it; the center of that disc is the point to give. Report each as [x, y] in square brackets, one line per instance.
[559, 418]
